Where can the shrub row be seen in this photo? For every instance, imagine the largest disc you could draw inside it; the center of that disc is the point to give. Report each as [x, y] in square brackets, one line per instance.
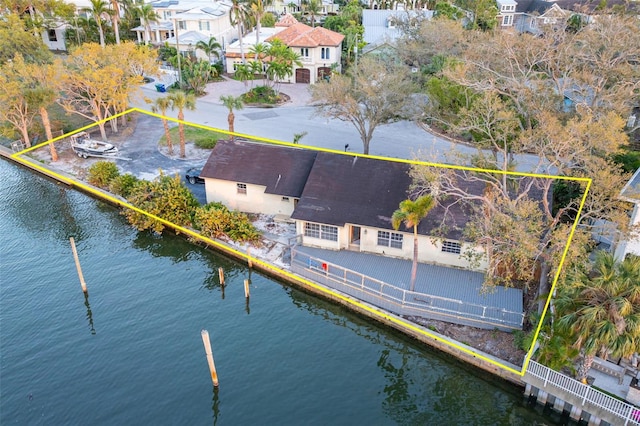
[168, 198]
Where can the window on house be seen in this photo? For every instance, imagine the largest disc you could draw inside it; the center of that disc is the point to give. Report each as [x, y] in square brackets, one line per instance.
[182, 25]
[451, 247]
[204, 26]
[507, 20]
[242, 188]
[304, 52]
[324, 232]
[167, 15]
[52, 35]
[389, 239]
[324, 53]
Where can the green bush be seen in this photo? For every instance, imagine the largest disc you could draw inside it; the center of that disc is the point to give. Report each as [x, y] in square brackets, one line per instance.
[102, 173]
[206, 143]
[261, 95]
[629, 160]
[215, 220]
[165, 197]
[123, 185]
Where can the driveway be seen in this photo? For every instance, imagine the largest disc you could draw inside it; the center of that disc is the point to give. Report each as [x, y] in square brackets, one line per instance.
[145, 160]
[402, 139]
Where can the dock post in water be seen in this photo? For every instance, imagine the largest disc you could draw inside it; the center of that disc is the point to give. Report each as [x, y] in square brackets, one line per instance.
[246, 289]
[249, 257]
[75, 257]
[221, 276]
[207, 350]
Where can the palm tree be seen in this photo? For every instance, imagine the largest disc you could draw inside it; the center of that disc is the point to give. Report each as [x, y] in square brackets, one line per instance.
[98, 9]
[147, 16]
[161, 105]
[411, 213]
[115, 18]
[211, 47]
[182, 101]
[257, 11]
[238, 17]
[260, 50]
[231, 102]
[601, 309]
[314, 7]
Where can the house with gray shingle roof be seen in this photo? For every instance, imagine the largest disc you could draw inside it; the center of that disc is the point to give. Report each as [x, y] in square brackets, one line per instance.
[257, 178]
[339, 202]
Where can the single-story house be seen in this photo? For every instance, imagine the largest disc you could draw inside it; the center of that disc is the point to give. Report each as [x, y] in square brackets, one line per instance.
[257, 178]
[339, 202]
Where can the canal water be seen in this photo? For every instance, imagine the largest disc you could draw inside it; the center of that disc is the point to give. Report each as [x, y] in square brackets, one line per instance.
[131, 352]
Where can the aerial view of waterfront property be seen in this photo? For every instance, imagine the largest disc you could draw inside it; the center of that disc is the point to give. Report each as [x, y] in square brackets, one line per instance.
[255, 212]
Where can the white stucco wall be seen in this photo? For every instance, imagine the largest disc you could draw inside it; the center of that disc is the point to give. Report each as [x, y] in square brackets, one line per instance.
[632, 245]
[254, 201]
[428, 251]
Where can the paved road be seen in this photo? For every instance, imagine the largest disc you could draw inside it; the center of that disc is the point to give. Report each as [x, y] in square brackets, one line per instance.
[402, 139]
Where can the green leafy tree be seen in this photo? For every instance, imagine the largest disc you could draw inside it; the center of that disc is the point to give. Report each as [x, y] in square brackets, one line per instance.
[600, 308]
[161, 105]
[196, 74]
[102, 173]
[165, 197]
[231, 103]
[181, 101]
[370, 95]
[15, 37]
[410, 213]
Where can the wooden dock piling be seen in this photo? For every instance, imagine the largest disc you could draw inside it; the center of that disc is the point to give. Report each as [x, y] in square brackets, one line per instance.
[221, 276]
[75, 257]
[246, 289]
[249, 257]
[207, 350]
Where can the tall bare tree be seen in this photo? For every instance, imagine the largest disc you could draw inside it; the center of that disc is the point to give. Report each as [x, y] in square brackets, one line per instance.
[373, 94]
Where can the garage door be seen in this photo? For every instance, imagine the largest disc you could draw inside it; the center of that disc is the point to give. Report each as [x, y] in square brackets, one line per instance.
[303, 75]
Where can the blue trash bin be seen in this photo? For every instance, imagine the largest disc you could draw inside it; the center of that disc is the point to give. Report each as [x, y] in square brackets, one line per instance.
[161, 88]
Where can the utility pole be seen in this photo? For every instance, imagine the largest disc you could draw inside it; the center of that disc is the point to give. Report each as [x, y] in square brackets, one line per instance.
[175, 25]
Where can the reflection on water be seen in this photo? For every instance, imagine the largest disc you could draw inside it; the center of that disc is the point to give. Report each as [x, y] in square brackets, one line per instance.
[286, 357]
[89, 313]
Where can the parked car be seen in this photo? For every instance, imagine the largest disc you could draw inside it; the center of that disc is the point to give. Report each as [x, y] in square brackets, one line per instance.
[193, 175]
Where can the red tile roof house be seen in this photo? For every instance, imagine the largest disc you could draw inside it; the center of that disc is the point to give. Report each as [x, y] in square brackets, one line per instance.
[317, 47]
[339, 202]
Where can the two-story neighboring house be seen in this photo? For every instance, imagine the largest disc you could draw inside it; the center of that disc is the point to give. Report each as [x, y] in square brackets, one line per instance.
[506, 13]
[318, 48]
[193, 21]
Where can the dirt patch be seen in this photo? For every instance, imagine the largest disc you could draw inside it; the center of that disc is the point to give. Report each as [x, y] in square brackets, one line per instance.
[500, 344]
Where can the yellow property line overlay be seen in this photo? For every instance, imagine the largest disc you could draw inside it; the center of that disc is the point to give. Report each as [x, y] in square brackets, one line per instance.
[347, 300]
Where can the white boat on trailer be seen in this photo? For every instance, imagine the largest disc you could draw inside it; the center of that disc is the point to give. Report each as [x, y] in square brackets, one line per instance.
[84, 146]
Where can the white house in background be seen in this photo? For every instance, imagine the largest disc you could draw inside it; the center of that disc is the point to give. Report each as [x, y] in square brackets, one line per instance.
[631, 193]
[233, 55]
[339, 202]
[207, 18]
[54, 36]
[282, 7]
[381, 26]
[257, 178]
[318, 48]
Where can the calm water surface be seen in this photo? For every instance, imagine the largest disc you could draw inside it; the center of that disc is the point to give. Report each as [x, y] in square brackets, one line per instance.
[131, 353]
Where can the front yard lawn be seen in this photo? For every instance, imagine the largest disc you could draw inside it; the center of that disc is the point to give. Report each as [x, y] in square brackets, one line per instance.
[202, 138]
